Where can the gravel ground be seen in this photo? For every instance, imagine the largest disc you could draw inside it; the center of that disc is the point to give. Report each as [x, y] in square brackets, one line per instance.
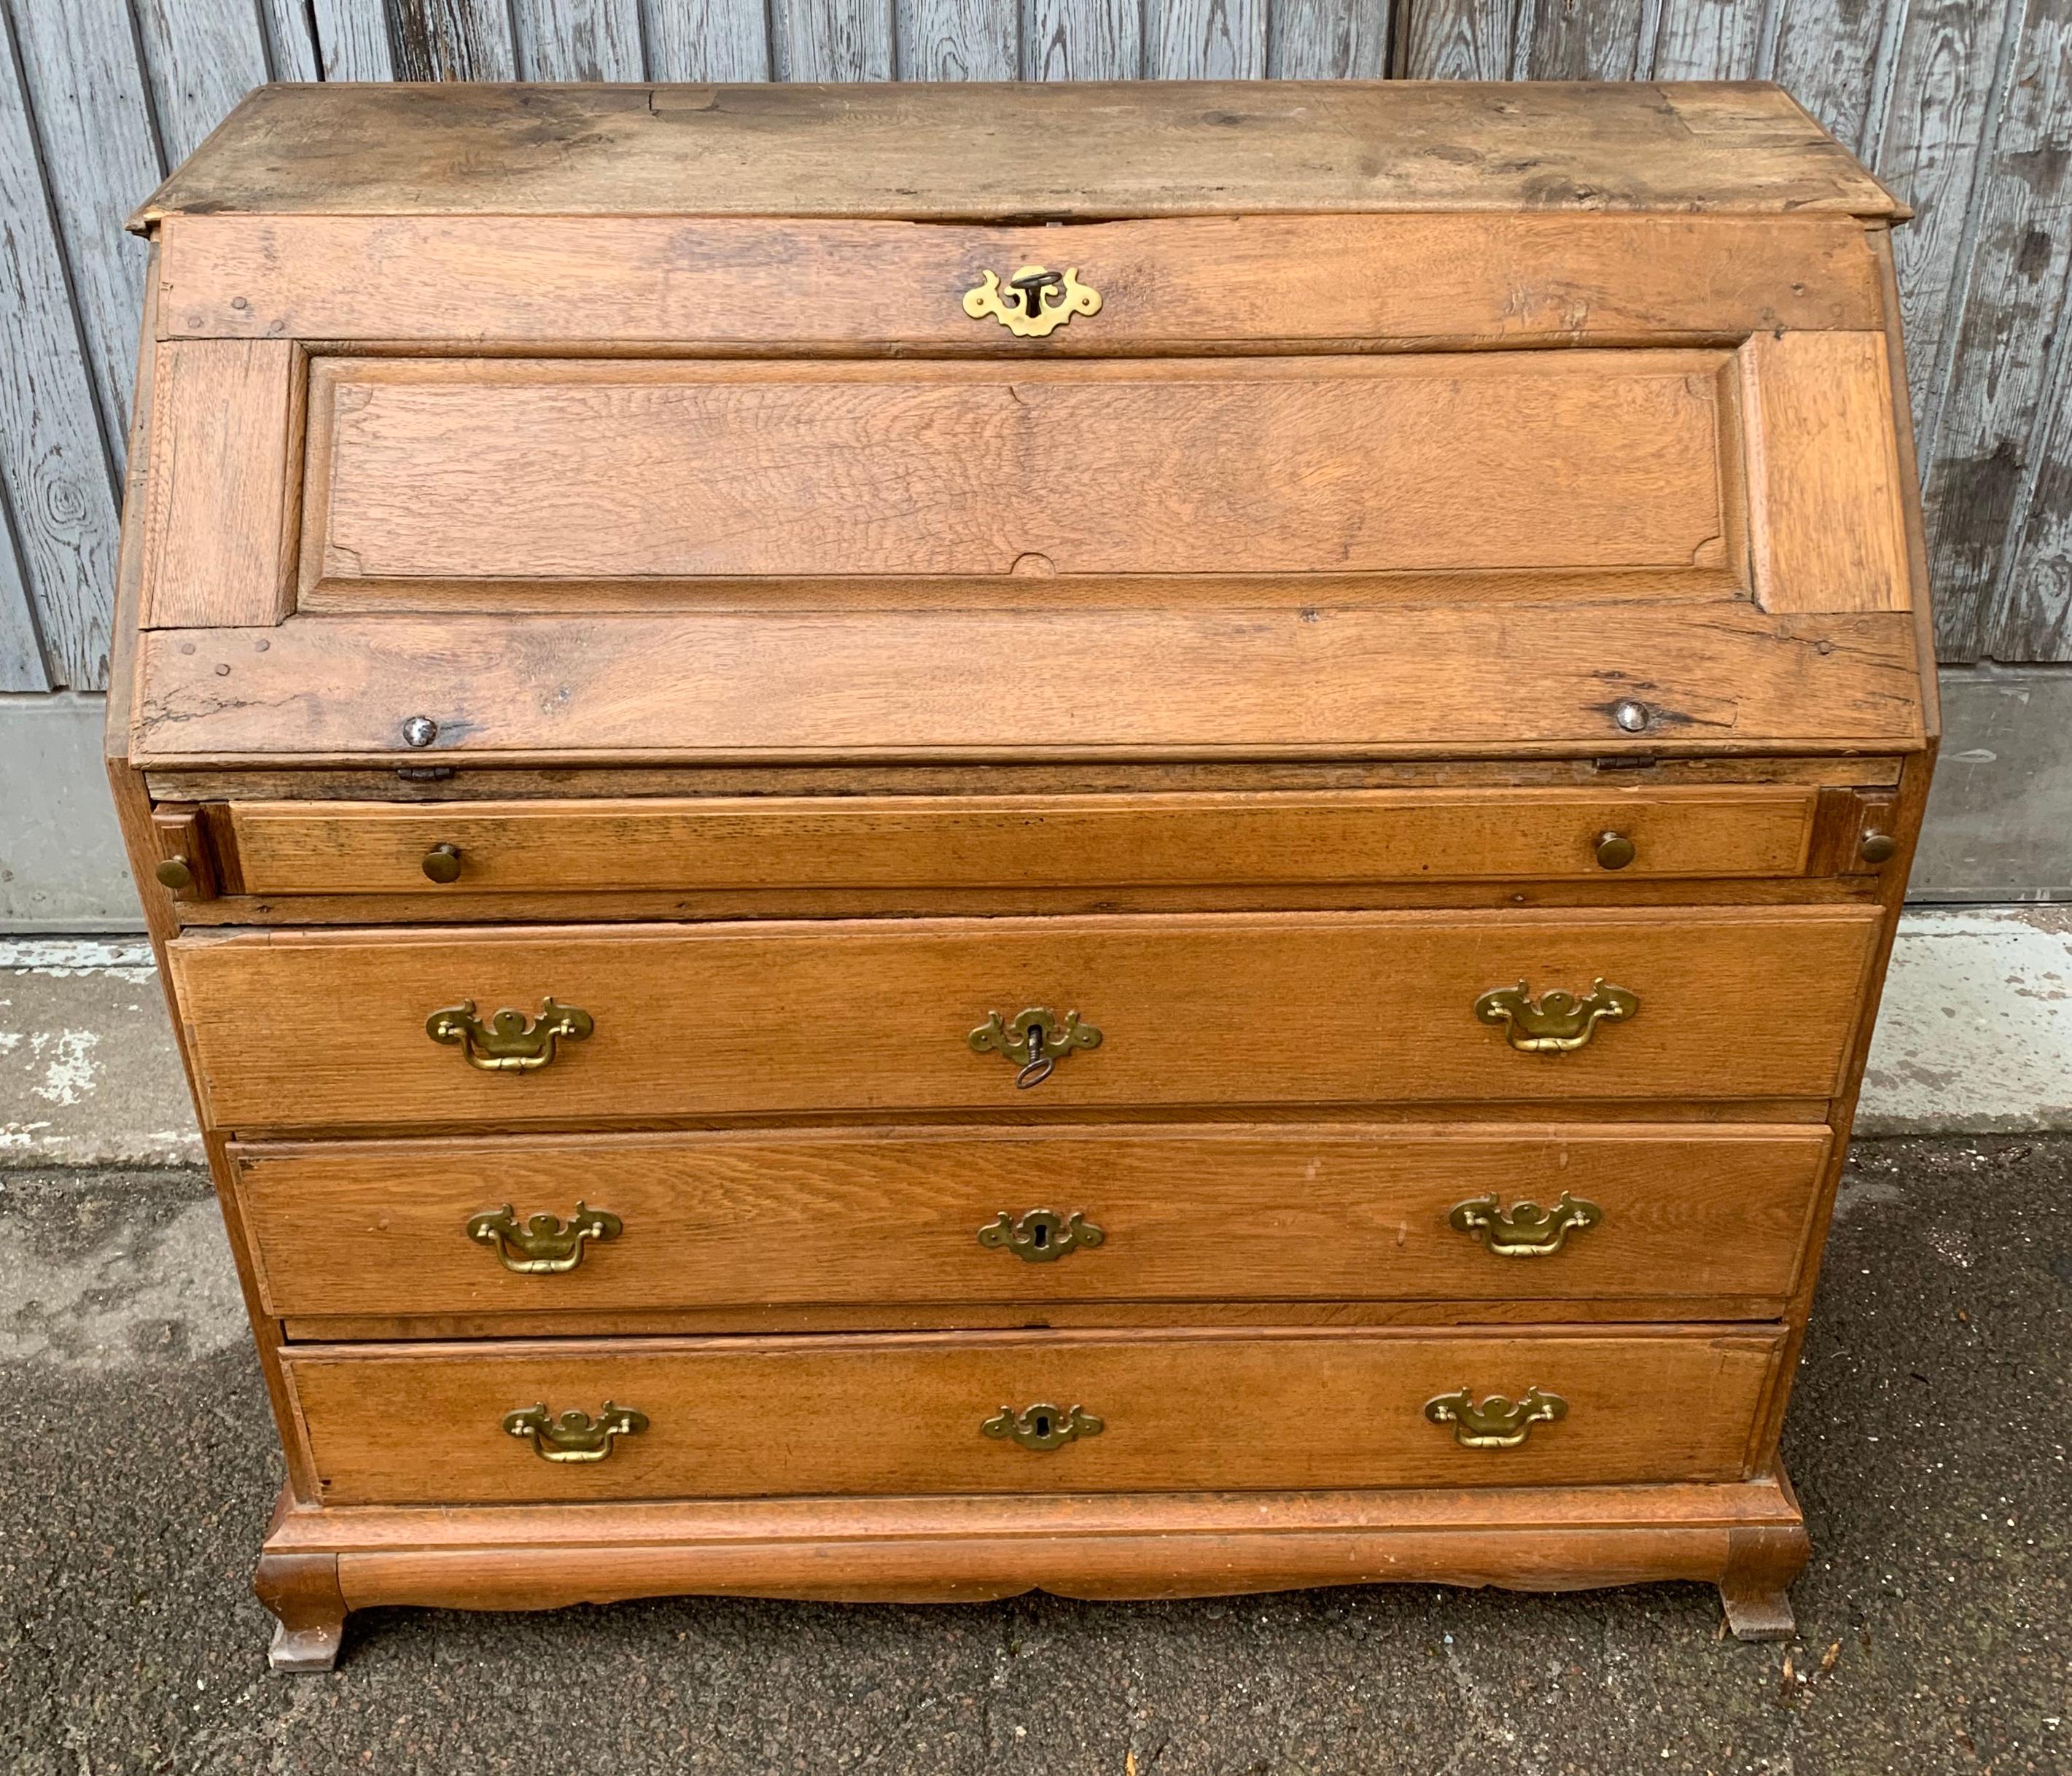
[1928, 1439]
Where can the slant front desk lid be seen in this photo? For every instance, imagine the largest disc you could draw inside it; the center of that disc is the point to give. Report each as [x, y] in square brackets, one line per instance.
[637, 425]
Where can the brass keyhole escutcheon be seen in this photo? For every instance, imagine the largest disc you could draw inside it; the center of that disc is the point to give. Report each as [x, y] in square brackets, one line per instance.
[1035, 303]
[442, 863]
[1037, 1039]
[1615, 850]
[1042, 1237]
[1042, 1427]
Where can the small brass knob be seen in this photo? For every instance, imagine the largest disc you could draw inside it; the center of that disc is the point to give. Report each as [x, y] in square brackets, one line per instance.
[1878, 847]
[442, 863]
[1615, 850]
[177, 873]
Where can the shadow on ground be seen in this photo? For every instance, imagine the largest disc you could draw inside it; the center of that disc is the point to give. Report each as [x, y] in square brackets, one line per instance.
[1928, 1439]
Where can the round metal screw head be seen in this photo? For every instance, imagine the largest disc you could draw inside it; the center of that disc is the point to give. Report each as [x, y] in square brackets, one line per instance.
[1630, 715]
[421, 731]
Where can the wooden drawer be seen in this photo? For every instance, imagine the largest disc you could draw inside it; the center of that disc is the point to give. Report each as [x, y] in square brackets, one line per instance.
[981, 842]
[1178, 1213]
[305, 1029]
[1179, 1411]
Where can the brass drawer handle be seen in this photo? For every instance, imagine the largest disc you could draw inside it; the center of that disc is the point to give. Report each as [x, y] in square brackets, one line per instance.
[572, 1436]
[1036, 1039]
[1497, 1423]
[441, 863]
[1035, 303]
[1528, 1230]
[1043, 1428]
[1556, 1022]
[506, 1044]
[1042, 1237]
[542, 1246]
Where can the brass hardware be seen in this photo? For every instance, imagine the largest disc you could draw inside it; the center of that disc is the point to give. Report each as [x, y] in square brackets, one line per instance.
[543, 1246]
[1041, 302]
[1042, 1237]
[1556, 1022]
[506, 1044]
[1043, 1428]
[442, 863]
[1497, 1423]
[1038, 1038]
[1528, 1230]
[572, 1435]
[176, 873]
[1615, 850]
[1876, 847]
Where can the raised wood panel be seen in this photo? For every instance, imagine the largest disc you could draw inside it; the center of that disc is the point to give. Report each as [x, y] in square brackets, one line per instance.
[218, 526]
[982, 840]
[738, 1418]
[491, 471]
[1827, 528]
[878, 1218]
[1196, 280]
[1315, 681]
[314, 1030]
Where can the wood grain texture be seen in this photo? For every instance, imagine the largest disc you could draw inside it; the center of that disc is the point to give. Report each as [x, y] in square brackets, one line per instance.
[353, 41]
[1327, 40]
[1558, 40]
[218, 544]
[1826, 55]
[292, 47]
[490, 470]
[752, 1019]
[959, 39]
[22, 666]
[578, 39]
[961, 151]
[57, 475]
[1456, 39]
[1708, 40]
[1827, 527]
[836, 42]
[1205, 40]
[983, 841]
[1186, 282]
[453, 40]
[710, 40]
[1320, 682]
[1200, 1214]
[1082, 40]
[202, 57]
[1237, 1411]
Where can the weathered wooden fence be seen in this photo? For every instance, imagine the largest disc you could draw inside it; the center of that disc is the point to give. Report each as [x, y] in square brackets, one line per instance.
[1963, 106]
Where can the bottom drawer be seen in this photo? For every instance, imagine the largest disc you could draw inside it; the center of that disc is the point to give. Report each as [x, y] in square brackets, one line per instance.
[1026, 1411]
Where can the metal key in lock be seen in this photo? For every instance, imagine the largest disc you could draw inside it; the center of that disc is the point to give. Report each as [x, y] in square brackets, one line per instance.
[1036, 1040]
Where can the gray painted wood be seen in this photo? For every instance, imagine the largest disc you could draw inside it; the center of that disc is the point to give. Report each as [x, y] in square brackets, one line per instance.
[1707, 40]
[451, 40]
[352, 40]
[708, 40]
[1564, 40]
[85, 86]
[291, 41]
[203, 56]
[1457, 39]
[959, 39]
[1205, 40]
[1327, 40]
[579, 39]
[59, 486]
[1082, 40]
[832, 39]
[21, 653]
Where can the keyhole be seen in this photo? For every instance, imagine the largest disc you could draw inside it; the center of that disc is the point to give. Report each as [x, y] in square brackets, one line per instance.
[1042, 1424]
[1040, 1236]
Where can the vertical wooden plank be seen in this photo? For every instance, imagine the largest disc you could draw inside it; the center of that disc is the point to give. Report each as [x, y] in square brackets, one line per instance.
[1205, 40]
[832, 39]
[959, 39]
[1943, 92]
[451, 40]
[1327, 39]
[708, 40]
[1566, 40]
[1826, 56]
[203, 56]
[1991, 422]
[292, 52]
[1457, 39]
[53, 463]
[2029, 615]
[1082, 40]
[21, 655]
[579, 40]
[352, 40]
[1707, 40]
[79, 64]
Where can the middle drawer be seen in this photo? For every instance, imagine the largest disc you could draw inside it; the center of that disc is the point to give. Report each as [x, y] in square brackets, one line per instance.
[1030, 1217]
[369, 1028]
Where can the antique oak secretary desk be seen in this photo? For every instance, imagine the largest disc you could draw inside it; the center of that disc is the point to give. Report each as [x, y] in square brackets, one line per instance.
[918, 841]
